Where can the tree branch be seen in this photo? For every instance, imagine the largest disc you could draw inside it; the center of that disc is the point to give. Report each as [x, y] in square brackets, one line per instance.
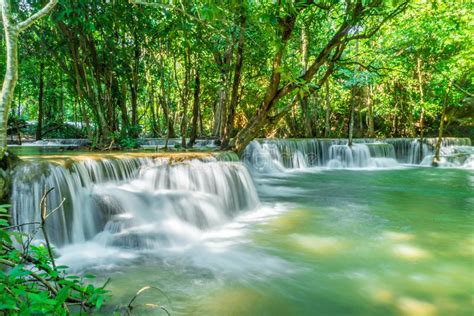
[399, 9]
[38, 15]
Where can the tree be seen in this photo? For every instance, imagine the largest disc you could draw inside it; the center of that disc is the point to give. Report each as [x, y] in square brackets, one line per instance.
[234, 71]
[373, 14]
[12, 32]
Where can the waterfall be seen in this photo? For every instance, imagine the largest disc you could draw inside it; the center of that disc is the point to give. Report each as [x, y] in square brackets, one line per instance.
[131, 202]
[276, 155]
[355, 156]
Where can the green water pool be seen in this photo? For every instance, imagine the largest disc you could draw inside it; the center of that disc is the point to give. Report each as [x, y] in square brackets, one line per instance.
[325, 242]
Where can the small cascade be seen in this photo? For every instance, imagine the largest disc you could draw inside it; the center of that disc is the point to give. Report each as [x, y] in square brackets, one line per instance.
[48, 146]
[263, 157]
[170, 205]
[344, 156]
[276, 155]
[58, 142]
[72, 182]
[418, 152]
[407, 150]
[131, 202]
[381, 150]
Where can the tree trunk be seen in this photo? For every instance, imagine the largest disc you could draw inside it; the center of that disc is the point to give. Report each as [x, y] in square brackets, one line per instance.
[235, 84]
[123, 109]
[220, 115]
[308, 132]
[11, 75]
[436, 158]
[185, 95]
[12, 32]
[194, 123]
[327, 123]
[395, 110]
[422, 100]
[353, 99]
[165, 103]
[351, 117]
[153, 109]
[134, 90]
[39, 127]
[370, 112]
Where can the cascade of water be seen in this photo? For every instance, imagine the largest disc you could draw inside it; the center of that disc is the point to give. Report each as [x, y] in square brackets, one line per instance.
[344, 156]
[277, 155]
[407, 150]
[59, 142]
[171, 204]
[113, 197]
[31, 179]
[381, 150]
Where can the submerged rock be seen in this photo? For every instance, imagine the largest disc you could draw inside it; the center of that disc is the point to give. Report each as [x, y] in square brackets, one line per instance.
[413, 307]
[410, 253]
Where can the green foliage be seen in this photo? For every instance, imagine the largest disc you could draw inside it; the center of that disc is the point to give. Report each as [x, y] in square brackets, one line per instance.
[128, 143]
[29, 283]
[127, 69]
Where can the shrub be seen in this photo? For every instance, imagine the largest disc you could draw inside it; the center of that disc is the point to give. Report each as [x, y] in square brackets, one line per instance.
[30, 282]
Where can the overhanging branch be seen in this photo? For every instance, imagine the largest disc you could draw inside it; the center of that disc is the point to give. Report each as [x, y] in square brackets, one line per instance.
[399, 9]
[38, 15]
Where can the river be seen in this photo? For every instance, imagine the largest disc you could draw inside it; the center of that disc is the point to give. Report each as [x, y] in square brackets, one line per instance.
[297, 228]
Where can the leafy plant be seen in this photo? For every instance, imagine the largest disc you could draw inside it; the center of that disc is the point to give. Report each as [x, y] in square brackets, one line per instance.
[30, 282]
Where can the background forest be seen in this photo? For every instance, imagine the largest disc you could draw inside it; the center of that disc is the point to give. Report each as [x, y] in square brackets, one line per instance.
[113, 71]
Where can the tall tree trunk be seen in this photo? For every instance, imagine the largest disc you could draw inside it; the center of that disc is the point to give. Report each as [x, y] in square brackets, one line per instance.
[370, 112]
[395, 109]
[185, 95]
[220, 115]
[194, 123]
[12, 32]
[327, 123]
[308, 132]
[422, 100]
[353, 99]
[39, 127]
[11, 74]
[361, 104]
[153, 110]
[125, 123]
[61, 100]
[165, 104]
[134, 89]
[411, 120]
[229, 124]
[436, 158]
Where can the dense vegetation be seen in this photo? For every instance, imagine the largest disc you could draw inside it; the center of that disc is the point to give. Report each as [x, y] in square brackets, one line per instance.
[122, 69]
[32, 283]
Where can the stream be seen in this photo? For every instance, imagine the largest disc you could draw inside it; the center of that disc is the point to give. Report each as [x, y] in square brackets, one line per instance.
[296, 227]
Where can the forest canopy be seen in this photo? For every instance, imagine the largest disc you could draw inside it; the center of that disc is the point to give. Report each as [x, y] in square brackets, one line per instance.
[114, 71]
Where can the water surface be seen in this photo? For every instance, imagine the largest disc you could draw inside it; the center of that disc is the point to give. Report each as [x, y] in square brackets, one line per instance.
[323, 242]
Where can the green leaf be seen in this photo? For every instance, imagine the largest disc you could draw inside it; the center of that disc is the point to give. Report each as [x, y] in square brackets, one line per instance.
[99, 302]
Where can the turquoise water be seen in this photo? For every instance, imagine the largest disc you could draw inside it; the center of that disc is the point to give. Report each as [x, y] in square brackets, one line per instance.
[323, 242]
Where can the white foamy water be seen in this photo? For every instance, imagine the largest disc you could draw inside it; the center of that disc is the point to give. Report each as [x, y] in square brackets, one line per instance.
[278, 155]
